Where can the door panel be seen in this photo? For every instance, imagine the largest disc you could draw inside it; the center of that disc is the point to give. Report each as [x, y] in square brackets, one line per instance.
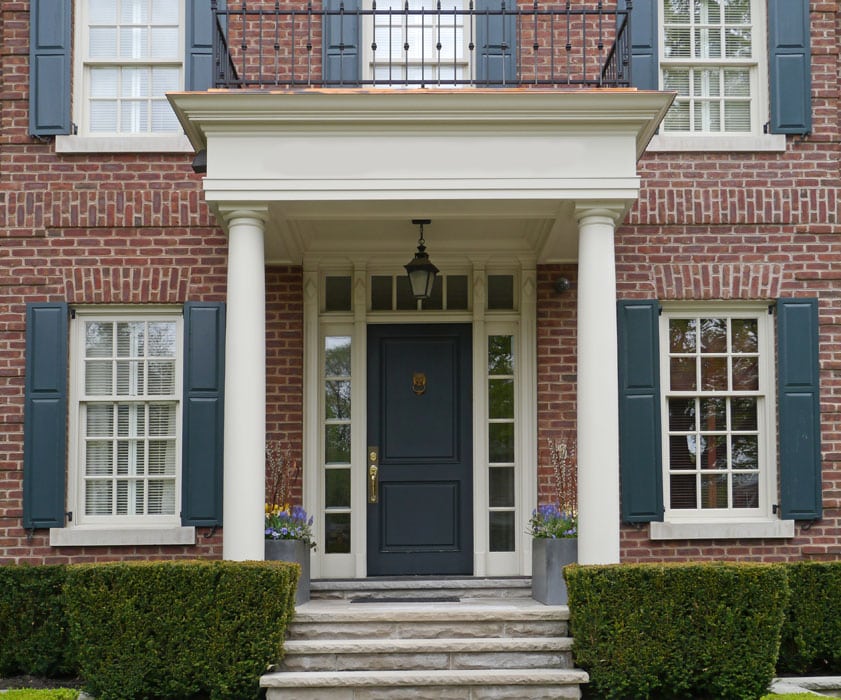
[419, 417]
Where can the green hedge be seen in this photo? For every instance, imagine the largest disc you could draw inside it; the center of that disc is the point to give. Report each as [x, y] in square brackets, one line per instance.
[811, 640]
[677, 631]
[32, 614]
[178, 629]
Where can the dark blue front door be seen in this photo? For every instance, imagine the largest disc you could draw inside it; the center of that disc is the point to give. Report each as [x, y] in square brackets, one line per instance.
[419, 426]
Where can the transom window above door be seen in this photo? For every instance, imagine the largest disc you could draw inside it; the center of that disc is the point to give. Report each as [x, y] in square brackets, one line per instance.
[450, 292]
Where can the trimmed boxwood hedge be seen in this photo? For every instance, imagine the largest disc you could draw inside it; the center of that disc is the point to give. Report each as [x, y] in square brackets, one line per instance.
[811, 640]
[178, 629]
[32, 614]
[677, 631]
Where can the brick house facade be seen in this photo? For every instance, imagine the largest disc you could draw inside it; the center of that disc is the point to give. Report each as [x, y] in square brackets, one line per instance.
[114, 235]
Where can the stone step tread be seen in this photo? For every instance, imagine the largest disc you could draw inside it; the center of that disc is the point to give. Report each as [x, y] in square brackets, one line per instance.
[330, 611]
[482, 677]
[420, 584]
[402, 646]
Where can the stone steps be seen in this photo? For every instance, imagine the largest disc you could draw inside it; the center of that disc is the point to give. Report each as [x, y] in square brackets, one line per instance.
[479, 648]
[422, 588]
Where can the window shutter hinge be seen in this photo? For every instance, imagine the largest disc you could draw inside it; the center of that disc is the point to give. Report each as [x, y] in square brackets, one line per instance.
[775, 508]
[766, 127]
[771, 308]
[72, 313]
[74, 128]
[69, 516]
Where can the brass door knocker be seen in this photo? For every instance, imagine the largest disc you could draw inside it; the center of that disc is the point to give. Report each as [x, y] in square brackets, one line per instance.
[419, 383]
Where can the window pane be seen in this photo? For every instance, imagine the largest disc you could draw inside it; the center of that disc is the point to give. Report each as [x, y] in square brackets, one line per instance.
[102, 42]
[683, 491]
[98, 458]
[713, 414]
[500, 355]
[714, 452]
[457, 292]
[745, 373]
[676, 42]
[337, 533]
[161, 497]
[745, 335]
[714, 335]
[337, 399]
[501, 398]
[436, 297]
[337, 488]
[98, 378]
[681, 414]
[744, 414]
[102, 11]
[405, 300]
[501, 442]
[714, 491]
[337, 293]
[98, 498]
[714, 373]
[103, 117]
[134, 42]
[164, 12]
[164, 43]
[500, 292]
[745, 490]
[163, 118]
[682, 374]
[745, 452]
[161, 378]
[682, 451]
[337, 444]
[381, 293]
[682, 335]
[337, 356]
[501, 524]
[501, 486]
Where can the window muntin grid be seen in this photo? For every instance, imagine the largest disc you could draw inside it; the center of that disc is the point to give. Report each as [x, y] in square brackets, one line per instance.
[715, 403]
[336, 374]
[501, 421]
[709, 59]
[132, 57]
[129, 411]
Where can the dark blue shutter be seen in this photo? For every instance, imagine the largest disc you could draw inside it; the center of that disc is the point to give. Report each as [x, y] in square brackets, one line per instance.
[342, 60]
[496, 42]
[789, 54]
[204, 403]
[799, 411]
[49, 67]
[45, 415]
[645, 53]
[198, 61]
[640, 448]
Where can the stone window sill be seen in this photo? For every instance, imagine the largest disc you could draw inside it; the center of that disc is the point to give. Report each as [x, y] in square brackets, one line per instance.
[115, 537]
[177, 143]
[666, 143]
[757, 529]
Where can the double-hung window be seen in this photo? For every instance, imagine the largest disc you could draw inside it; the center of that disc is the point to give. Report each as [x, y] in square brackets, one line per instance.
[131, 54]
[717, 378]
[712, 55]
[126, 373]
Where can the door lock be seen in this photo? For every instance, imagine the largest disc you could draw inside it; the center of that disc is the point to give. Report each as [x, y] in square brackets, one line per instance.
[373, 471]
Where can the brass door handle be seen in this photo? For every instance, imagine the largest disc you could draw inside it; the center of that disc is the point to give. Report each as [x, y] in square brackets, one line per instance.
[373, 470]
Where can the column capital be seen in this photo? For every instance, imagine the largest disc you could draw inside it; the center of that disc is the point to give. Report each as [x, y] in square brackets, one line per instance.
[615, 211]
[243, 210]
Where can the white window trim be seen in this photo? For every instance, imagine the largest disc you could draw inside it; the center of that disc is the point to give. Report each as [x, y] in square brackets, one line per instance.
[142, 530]
[85, 142]
[732, 523]
[755, 139]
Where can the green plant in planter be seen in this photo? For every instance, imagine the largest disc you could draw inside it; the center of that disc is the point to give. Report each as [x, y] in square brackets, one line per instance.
[551, 522]
[284, 521]
[559, 519]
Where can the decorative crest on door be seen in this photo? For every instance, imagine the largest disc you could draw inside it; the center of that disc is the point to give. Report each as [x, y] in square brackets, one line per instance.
[419, 383]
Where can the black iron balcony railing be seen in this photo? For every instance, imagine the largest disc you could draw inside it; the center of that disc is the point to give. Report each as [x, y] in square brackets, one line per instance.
[421, 43]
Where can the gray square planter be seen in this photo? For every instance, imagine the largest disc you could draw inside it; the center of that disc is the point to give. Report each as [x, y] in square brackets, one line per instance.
[548, 559]
[299, 552]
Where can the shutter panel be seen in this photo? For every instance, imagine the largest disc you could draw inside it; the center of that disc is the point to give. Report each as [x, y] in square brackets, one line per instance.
[49, 67]
[45, 415]
[204, 399]
[496, 42]
[645, 52]
[640, 448]
[799, 409]
[342, 61]
[790, 67]
[198, 61]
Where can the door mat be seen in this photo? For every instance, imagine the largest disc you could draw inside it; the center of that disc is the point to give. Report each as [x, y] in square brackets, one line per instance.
[405, 599]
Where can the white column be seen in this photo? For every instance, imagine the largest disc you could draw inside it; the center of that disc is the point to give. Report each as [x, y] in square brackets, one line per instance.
[598, 394]
[245, 388]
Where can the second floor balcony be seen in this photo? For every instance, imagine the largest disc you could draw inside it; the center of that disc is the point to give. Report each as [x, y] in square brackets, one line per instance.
[421, 44]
